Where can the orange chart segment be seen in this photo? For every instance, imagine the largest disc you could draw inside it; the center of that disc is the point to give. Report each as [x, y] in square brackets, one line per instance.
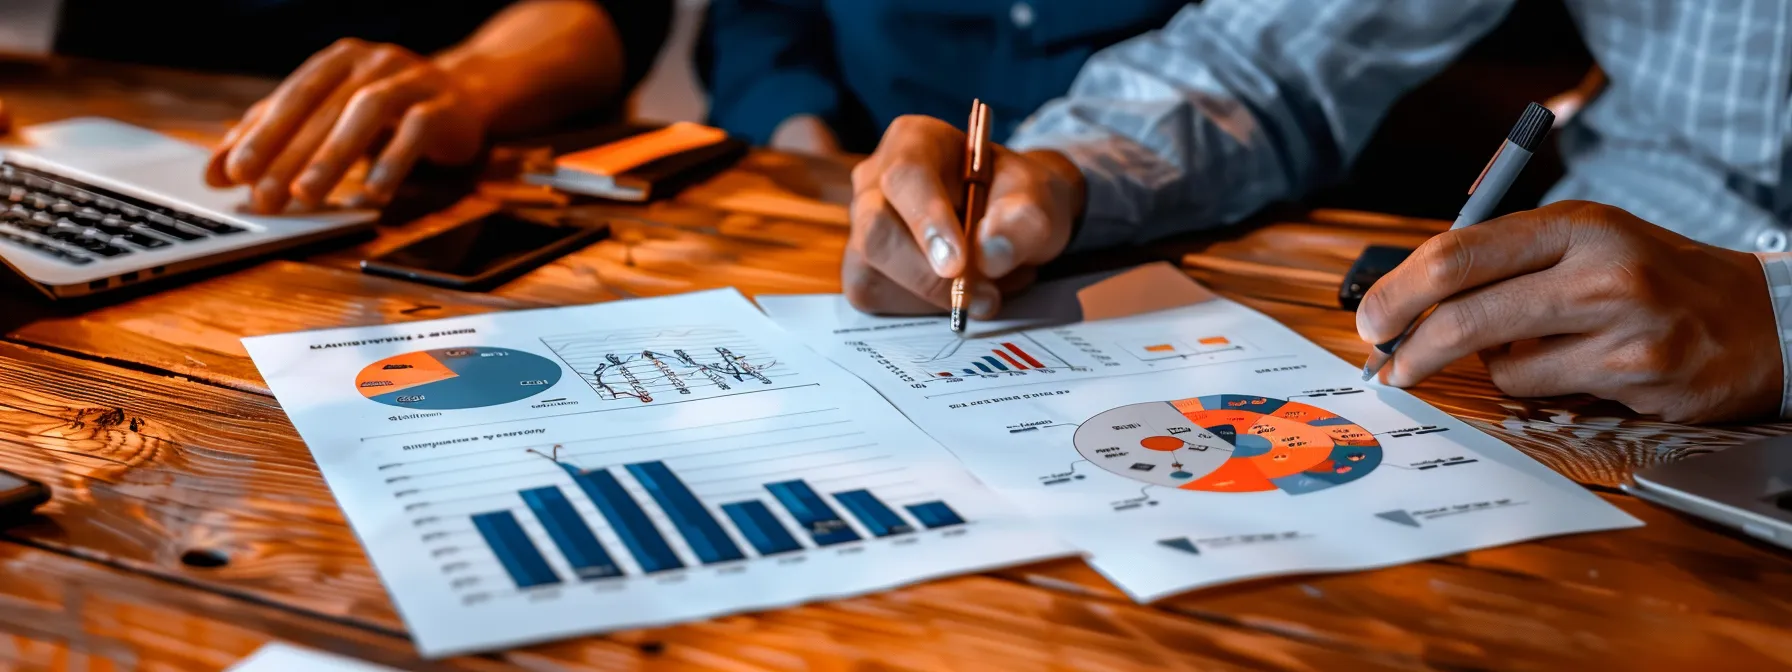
[1229, 443]
[396, 373]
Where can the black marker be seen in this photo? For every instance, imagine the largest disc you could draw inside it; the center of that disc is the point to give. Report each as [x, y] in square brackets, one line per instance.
[1483, 196]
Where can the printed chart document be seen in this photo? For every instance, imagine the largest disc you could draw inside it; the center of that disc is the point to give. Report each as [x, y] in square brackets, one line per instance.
[523, 476]
[1196, 445]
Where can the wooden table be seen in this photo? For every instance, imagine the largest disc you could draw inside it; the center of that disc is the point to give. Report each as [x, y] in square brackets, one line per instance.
[190, 525]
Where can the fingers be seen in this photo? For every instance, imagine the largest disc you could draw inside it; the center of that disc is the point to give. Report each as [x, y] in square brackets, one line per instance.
[872, 292]
[1526, 307]
[921, 159]
[1549, 367]
[290, 106]
[369, 113]
[1018, 228]
[1460, 260]
[215, 175]
[887, 246]
[396, 160]
[274, 188]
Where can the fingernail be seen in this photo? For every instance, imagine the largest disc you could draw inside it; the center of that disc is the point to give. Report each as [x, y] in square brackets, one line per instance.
[998, 256]
[376, 176]
[237, 163]
[270, 195]
[1391, 376]
[940, 252]
[983, 301]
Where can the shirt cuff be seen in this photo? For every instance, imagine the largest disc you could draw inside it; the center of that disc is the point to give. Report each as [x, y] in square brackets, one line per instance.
[1778, 266]
[1112, 212]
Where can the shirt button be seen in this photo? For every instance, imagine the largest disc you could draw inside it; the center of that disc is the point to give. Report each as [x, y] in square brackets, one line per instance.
[1771, 240]
[1022, 15]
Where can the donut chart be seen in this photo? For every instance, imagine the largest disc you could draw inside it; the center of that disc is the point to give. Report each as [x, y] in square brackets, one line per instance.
[457, 378]
[1230, 443]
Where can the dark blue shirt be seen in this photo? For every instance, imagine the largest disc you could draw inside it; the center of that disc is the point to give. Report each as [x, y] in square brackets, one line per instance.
[858, 64]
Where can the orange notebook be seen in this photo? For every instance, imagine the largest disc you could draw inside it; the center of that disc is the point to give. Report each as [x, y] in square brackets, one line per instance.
[635, 167]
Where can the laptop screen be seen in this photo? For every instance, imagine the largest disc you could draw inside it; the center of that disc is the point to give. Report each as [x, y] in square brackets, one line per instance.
[28, 27]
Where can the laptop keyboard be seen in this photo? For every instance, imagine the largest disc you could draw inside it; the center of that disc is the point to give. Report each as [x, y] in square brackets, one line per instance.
[79, 223]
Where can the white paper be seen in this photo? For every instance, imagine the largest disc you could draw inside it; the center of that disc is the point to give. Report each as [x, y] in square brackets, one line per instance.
[281, 657]
[1080, 424]
[440, 439]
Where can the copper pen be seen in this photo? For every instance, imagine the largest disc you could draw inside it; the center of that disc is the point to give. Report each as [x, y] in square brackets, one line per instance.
[979, 170]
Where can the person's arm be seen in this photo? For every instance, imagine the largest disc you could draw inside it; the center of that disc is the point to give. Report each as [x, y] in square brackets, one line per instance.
[540, 61]
[766, 62]
[1233, 105]
[533, 63]
[1239, 103]
[1778, 266]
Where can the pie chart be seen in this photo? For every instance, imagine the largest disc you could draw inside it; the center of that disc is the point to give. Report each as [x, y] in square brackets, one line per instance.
[1230, 443]
[457, 378]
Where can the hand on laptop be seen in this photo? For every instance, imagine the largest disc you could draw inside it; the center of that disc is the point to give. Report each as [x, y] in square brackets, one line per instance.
[907, 243]
[1581, 297]
[300, 141]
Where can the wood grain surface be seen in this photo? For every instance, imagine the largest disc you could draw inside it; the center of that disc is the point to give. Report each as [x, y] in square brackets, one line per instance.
[190, 525]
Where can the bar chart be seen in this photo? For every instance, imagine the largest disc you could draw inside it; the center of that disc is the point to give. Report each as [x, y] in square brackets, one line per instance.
[612, 509]
[524, 561]
[947, 356]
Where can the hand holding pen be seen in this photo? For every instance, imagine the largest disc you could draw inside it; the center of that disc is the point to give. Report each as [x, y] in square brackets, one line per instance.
[1483, 196]
[908, 240]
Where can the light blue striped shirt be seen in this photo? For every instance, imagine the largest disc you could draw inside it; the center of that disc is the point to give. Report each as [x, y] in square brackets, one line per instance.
[1236, 104]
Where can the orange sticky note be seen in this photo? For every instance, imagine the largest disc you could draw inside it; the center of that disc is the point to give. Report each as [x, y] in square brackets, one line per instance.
[623, 155]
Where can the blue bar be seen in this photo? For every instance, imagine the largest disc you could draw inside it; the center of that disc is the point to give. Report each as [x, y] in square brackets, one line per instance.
[812, 512]
[871, 511]
[995, 363]
[700, 529]
[627, 518]
[761, 527]
[970, 372]
[983, 366]
[935, 514]
[514, 549]
[569, 531]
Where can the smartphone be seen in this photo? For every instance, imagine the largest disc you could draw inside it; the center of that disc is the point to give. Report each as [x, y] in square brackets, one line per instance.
[19, 496]
[486, 252]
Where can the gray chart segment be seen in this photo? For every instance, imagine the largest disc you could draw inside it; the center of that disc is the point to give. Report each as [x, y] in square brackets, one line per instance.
[1113, 440]
[480, 380]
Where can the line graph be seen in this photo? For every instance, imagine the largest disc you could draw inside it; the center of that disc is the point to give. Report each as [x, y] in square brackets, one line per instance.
[644, 365]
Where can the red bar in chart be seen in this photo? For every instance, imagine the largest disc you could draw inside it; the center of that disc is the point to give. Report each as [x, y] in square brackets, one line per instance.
[1017, 365]
[1024, 356]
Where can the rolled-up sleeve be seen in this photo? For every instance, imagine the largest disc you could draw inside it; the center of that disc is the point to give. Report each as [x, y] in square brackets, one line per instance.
[1778, 267]
[1237, 104]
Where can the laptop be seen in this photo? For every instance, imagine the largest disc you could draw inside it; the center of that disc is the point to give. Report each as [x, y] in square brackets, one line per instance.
[1748, 488]
[91, 204]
